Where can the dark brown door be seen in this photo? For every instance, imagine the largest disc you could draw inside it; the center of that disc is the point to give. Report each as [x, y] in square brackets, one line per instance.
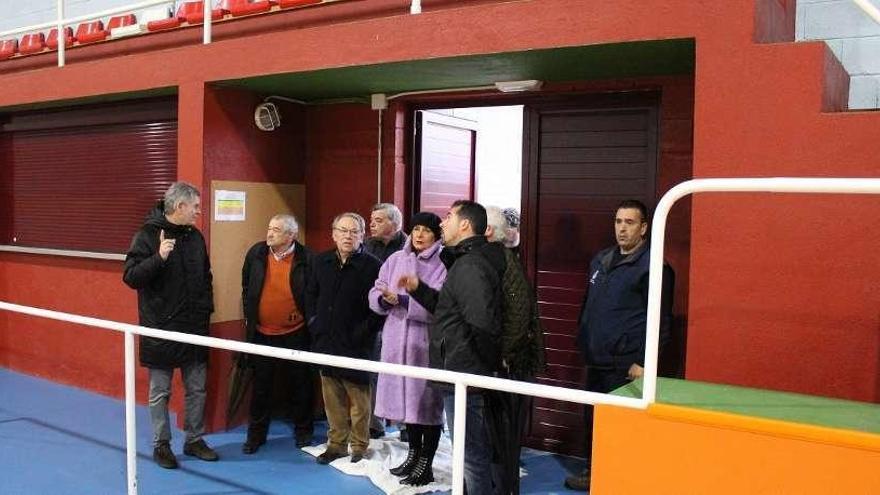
[582, 160]
[445, 156]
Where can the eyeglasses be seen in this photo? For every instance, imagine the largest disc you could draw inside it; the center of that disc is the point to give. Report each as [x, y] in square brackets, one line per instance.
[351, 232]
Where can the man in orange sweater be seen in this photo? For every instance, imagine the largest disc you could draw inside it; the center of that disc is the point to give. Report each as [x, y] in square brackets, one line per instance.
[273, 282]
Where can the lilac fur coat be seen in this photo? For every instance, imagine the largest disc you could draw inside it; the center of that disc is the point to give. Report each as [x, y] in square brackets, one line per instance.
[405, 338]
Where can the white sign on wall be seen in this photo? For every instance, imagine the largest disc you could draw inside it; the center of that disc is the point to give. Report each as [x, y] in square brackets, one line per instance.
[229, 206]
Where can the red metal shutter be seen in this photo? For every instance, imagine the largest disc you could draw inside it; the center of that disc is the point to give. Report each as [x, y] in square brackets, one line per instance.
[88, 186]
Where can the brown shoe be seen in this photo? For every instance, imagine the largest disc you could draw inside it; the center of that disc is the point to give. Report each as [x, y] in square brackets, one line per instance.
[201, 450]
[164, 457]
[580, 481]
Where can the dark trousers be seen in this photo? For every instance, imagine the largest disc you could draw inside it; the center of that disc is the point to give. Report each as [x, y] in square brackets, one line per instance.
[298, 376]
[602, 381]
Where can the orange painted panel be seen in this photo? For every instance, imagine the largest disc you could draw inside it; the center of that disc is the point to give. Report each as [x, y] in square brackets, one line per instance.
[683, 453]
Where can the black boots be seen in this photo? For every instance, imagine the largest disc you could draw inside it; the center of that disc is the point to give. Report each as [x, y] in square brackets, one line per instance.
[421, 473]
[406, 468]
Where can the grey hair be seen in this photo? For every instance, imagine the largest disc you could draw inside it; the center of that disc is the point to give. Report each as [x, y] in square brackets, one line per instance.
[179, 192]
[289, 222]
[359, 220]
[495, 218]
[392, 212]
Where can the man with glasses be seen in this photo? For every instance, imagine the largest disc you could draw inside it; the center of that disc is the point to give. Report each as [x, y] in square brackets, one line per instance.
[341, 323]
[611, 327]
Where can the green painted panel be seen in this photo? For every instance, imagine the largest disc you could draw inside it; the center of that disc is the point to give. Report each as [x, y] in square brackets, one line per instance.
[582, 63]
[86, 100]
[785, 406]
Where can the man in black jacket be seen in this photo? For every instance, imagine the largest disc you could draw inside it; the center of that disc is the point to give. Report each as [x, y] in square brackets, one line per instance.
[341, 323]
[466, 330]
[168, 265]
[611, 327]
[273, 284]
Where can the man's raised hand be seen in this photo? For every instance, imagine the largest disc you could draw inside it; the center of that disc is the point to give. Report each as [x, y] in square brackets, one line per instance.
[165, 245]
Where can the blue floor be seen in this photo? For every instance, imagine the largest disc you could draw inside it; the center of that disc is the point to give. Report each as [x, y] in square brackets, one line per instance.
[56, 439]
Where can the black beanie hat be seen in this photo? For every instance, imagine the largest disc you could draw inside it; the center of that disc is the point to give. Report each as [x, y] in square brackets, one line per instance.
[427, 219]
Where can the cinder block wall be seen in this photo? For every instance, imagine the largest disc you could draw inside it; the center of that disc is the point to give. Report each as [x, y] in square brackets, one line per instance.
[853, 37]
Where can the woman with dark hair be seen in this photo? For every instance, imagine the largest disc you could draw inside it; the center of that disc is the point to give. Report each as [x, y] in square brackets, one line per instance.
[405, 341]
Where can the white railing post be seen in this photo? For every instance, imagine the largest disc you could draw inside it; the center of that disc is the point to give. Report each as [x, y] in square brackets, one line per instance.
[62, 38]
[816, 185]
[207, 6]
[415, 7]
[460, 430]
[130, 418]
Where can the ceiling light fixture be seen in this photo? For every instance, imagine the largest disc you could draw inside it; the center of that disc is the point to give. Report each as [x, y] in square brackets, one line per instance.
[518, 86]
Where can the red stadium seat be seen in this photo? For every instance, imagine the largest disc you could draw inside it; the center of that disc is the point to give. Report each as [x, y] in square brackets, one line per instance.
[194, 12]
[8, 48]
[52, 40]
[286, 4]
[247, 7]
[121, 21]
[32, 43]
[89, 32]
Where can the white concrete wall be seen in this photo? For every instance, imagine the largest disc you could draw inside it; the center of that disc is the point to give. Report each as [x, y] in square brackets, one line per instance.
[853, 37]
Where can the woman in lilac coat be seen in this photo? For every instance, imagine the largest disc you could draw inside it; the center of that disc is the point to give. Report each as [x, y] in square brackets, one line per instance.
[405, 341]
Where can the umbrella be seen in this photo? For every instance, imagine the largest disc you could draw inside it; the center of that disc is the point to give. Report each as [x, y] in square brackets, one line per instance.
[505, 418]
[240, 376]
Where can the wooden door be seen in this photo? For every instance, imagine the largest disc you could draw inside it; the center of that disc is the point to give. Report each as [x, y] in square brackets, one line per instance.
[582, 160]
[445, 160]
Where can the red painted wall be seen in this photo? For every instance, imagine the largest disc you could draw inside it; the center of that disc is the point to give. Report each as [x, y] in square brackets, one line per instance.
[783, 290]
[341, 168]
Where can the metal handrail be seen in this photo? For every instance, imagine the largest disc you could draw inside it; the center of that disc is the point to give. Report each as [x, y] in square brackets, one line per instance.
[658, 236]
[460, 380]
[869, 8]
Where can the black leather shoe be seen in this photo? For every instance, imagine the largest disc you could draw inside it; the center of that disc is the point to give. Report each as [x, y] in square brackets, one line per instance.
[404, 469]
[579, 482]
[200, 450]
[303, 439]
[164, 457]
[357, 457]
[328, 456]
[421, 474]
[252, 445]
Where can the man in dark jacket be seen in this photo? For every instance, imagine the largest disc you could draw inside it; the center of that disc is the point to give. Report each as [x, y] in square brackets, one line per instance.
[386, 238]
[273, 284]
[168, 265]
[611, 327]
[466, 329]
[341, 323]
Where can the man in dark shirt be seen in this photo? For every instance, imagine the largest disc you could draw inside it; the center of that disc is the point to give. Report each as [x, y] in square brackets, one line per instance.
[168, 265]
[341, 323]
[611, 327]
[386, 238]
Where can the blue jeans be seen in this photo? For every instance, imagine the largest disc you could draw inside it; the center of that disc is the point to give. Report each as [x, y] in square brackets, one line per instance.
[477, 449]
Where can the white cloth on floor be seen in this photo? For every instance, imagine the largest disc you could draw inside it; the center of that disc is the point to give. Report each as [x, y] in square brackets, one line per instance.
[388, 452]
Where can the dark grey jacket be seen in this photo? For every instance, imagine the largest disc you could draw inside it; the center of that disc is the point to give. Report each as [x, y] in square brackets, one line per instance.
[175, 294]
[253, 275]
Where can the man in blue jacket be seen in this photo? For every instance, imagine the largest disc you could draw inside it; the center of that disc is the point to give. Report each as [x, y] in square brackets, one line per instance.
[611, 327]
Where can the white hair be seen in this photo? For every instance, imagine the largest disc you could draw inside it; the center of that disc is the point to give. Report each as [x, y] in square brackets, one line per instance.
[392, 212]
[289, 222]
[179, 192]
[496, 220]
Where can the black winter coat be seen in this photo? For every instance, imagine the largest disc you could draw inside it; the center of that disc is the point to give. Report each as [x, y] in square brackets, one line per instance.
[337, 310]
[175, 294]
[253, 275]
[466, 332]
